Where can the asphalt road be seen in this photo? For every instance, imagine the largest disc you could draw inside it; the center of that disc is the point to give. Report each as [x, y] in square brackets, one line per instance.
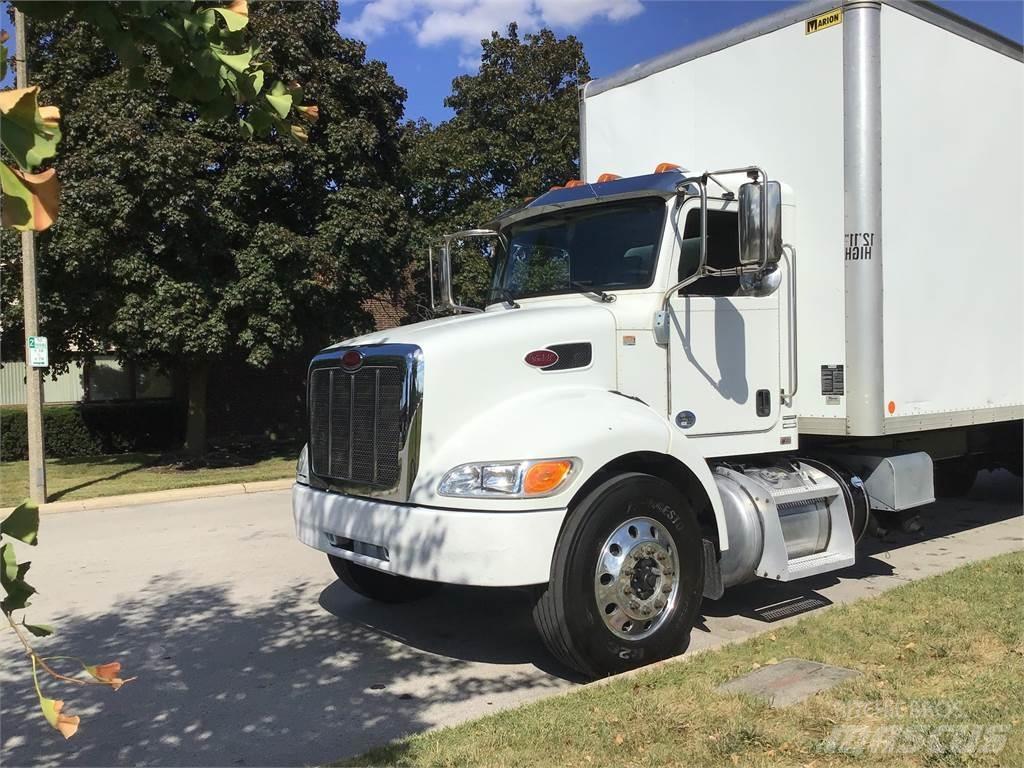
[247, 653]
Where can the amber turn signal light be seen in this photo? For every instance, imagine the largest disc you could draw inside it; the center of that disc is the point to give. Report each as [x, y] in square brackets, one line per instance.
[545, 476]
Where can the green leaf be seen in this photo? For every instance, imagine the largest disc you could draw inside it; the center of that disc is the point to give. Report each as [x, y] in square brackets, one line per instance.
[12, 578]
[162, 31]
[25, 132]
[17, 200]
[260, 120]
[30, 200]
[234, 21]
[257, 81]
[23, 523]
[39, 630]
[282, 104]
[239, 62]
[8, 564]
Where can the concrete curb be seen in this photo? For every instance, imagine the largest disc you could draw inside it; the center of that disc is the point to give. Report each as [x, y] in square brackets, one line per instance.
[153, 497]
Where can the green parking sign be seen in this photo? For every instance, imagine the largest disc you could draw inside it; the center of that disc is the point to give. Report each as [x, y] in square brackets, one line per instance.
[38, 352]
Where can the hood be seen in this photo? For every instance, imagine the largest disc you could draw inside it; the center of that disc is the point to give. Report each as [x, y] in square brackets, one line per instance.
[472, 364]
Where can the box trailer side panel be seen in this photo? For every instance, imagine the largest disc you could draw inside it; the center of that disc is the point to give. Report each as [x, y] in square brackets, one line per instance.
[952, 227]
[775, 100]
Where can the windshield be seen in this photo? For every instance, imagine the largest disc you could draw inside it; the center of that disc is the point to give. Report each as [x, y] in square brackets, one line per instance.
[593, 248]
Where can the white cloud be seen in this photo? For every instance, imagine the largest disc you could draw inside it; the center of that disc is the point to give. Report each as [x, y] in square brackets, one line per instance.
[466, 22]
[574, 13]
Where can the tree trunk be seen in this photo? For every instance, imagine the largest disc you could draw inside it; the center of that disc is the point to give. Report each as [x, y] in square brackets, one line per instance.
[195, 428]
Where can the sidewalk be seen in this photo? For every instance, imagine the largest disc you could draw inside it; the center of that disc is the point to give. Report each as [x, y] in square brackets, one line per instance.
[154, 497]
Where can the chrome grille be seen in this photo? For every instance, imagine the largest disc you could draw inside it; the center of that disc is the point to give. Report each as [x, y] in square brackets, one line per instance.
[357, 424]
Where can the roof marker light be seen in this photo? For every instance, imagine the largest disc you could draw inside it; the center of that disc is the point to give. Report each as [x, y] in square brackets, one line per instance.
[666, 167]
[607, 177]
[574, 183]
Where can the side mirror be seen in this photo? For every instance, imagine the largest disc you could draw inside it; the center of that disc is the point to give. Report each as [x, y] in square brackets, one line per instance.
[760, 215]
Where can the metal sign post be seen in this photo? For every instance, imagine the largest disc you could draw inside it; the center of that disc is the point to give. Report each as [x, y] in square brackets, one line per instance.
[33, 371]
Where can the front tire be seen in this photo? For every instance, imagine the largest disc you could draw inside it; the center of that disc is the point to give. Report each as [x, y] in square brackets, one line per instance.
[626, 578]
[380, 586]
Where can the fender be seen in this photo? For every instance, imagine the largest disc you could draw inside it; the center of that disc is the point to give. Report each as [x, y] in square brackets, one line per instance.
[588, 423]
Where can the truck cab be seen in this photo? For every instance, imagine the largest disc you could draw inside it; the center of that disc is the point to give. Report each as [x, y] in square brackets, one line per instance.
[588, 433]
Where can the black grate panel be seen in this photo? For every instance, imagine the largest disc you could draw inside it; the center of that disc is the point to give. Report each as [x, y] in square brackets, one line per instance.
[319, 417]
[389, 425]
[356, 427]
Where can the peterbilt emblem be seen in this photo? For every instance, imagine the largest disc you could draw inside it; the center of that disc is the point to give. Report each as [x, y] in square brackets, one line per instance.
[352, 360]
[541, 358]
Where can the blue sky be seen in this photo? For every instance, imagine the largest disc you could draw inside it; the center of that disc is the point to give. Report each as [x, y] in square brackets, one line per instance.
[428, 42]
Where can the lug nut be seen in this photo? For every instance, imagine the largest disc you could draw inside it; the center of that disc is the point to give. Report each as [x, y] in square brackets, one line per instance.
[667, 588]
[627, 590]
[659, 603]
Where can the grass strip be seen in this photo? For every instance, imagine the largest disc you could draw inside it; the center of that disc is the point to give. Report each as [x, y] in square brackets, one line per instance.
[942, 684]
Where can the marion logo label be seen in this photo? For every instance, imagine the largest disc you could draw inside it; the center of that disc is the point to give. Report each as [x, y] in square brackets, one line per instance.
[823, 21]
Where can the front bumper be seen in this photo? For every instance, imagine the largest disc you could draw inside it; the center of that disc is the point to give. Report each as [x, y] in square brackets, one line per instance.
[487, 549]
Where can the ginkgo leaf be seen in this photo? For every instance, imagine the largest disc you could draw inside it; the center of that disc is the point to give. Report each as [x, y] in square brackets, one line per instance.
[311, 113]
[30, 200]
[39, 630]
[235, 21]
[67, 725]
[282, 103]
[109, 673]
[239, 62]
[23, 523]
[29, 134]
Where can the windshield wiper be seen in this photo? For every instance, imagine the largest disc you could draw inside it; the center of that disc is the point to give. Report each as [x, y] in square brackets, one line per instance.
[607, 298]
[509, 299]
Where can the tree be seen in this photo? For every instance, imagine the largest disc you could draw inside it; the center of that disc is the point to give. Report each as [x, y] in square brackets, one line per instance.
[178, 244]
[212, 65]
[515, 133]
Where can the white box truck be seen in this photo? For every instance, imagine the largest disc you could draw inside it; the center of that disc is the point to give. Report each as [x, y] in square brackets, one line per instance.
[785, 292]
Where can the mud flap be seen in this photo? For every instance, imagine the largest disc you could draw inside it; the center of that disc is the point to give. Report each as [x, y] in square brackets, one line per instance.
[713, 587]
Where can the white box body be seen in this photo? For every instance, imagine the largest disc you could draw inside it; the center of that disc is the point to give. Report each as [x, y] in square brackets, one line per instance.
[952, 122]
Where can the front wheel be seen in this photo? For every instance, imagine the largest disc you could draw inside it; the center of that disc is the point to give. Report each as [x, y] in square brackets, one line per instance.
[380, 586]
[626, 578]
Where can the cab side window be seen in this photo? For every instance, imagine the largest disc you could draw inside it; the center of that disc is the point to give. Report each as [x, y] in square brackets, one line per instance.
[723, 253]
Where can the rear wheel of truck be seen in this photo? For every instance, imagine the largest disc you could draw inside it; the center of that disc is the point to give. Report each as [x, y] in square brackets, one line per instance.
[380, 586]
[626, 578]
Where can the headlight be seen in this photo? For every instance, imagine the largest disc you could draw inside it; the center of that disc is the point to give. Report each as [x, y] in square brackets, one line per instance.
[508, 479]
[302, 467]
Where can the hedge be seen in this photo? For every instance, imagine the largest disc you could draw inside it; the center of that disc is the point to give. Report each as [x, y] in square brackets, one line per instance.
[89, 429]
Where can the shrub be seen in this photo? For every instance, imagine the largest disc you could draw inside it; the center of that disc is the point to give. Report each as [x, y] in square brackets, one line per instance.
[88, 429]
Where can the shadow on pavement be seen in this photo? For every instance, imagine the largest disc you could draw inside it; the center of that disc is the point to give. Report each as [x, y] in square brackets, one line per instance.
[222, 685]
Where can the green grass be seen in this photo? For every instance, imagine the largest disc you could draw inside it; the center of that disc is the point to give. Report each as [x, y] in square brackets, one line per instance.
[944, 651]
[85, 478]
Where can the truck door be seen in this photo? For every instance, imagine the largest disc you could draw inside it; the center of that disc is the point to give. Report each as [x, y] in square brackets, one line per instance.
[724, 338]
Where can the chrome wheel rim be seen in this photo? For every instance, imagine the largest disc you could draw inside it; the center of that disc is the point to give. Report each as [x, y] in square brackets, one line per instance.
[636, 581]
